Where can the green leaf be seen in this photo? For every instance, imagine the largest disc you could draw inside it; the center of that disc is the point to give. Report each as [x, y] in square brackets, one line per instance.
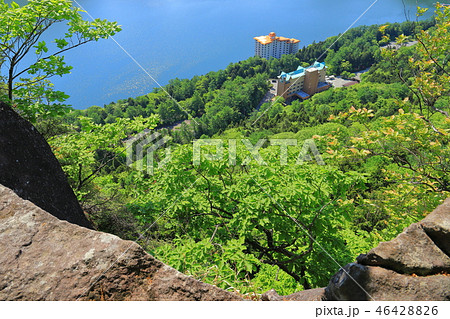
[61, 43]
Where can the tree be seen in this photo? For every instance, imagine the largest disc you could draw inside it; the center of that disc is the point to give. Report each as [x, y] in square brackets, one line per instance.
[268, 208]
[430, 67]
[21, 28]
[433, 79]
[83, 155]
[406, 163]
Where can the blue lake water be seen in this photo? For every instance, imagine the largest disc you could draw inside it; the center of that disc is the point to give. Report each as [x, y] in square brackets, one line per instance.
[183, 38]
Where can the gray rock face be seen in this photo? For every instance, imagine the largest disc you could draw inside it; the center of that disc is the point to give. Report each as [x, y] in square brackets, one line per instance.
[411, 252]
[413, 266]
[347, 284]
[29, 168]
[437, 226]
[44, 258]
[376, 283]
[317, 294]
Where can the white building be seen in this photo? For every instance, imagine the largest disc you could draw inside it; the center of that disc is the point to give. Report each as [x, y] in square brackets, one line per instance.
[267, 46]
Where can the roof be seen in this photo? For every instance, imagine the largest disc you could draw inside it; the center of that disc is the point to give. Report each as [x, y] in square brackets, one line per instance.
[302, 94]
[318, 65]
[301, 71]
[294, 74]
[266, 39]
[322, 84]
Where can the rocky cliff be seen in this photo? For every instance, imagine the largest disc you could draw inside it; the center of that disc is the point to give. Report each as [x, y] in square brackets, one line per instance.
[44, 258]
[29, 168]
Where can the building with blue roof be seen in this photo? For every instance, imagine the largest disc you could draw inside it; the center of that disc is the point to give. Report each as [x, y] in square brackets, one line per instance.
[303, 82]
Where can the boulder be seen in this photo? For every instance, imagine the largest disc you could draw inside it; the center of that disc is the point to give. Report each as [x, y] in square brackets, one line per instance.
[413, 266]
[358, 282]
[29, 168]
[411, 252]
[317, 294]
[348, 284]
[437, 226]
[44, 258]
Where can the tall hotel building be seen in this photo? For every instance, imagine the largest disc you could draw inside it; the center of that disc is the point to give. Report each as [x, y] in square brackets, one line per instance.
[267, 46]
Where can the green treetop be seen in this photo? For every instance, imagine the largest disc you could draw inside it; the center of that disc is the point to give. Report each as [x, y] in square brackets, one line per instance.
[27, 85]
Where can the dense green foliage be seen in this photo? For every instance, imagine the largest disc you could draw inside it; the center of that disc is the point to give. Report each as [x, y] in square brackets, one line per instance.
[269, 209]
[358, 49]
[259, 210]
[382, 98]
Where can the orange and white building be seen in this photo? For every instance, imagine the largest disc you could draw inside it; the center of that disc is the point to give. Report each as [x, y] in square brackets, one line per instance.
[267, 46]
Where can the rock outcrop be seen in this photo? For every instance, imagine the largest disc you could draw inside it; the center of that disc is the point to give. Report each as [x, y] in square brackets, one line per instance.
[44, 258]
[413, 266]
[381, 284]
[29, 168]
[317, 294]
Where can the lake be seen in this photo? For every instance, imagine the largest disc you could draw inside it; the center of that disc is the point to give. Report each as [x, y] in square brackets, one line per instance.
[183, 38]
